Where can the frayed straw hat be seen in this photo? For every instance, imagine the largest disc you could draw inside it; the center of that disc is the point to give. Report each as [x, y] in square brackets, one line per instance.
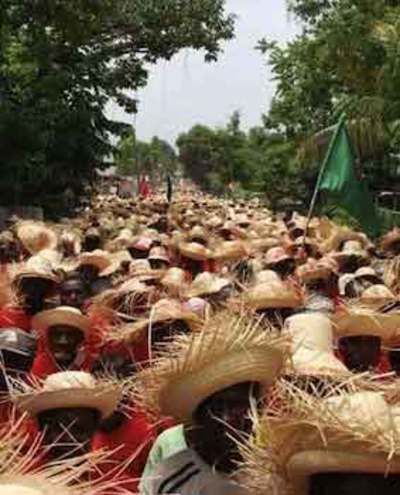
[231, 350]
[69, 389]
[206, 284]
[194, 251]
[20, 474]
[353, 432]
[98, 258]
[174, 280]
[358, 320]
[36, 236]
[164, 311]
[230, 250]
[272, 295]
[63, 315]
[316, 269]
[36, 267]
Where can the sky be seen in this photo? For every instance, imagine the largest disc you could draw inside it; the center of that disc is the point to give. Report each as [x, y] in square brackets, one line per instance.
[187, 91]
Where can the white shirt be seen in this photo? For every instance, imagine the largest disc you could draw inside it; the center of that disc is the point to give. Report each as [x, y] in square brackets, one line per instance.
[185, 473]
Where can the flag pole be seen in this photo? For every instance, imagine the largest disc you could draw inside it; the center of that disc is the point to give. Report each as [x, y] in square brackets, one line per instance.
[320, 175]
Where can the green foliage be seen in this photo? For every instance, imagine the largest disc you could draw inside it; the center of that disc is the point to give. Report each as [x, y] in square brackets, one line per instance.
[62, 61]
[134, 157]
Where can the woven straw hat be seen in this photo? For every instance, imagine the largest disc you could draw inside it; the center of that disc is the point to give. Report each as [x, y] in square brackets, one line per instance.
[363, 321]
[206, 284]
[63, 315]
[159, 253]
[312, 346]
[377, 296]
[232, 350]
[194, 251]
[267, 277]
[272, 295]
[391, 238]
[174, 281]
[36, 236]
[164, 311]
[276, 255]
[141, 270]
[98, 258]
[230, 250]
[349, 433]
[36, 267]
[70, 389]
[351, 249]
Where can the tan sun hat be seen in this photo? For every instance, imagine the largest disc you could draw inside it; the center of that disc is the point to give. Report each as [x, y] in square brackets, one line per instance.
[351, 249]
[141, 270]
[36, 236]
[272, 295]
[63, 315]
[163, 311]
[276, 255]
[230, 250]
[364, 321]
[174, 280]
[70, 389]
[206, 284]
[317, 269]
[36, 267]
[377, 296]
[194, 251]
[159, 253]
[98, 258]
[353, 432]
[232, 350]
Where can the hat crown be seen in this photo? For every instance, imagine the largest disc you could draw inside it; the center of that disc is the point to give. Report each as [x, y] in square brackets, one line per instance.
[65, 380]
[310, 330]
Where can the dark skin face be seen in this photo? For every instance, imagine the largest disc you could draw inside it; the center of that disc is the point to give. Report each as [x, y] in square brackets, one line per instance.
[8, 252]
[92, 243]
[158, 264]
[73, 293]
[394, 359]
[138, 254]
[64, 342]
[354, 484]
[34, 291]
[88, 273]
[193, 266]
[70, 430]
[13, 365]
[361, 353]
[352, 264]
[284, 268]
[224, 414]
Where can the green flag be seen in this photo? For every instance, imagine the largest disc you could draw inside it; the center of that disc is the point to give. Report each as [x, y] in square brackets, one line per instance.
[338, 178]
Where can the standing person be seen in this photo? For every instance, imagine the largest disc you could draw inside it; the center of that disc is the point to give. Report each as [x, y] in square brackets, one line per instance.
[208, 386]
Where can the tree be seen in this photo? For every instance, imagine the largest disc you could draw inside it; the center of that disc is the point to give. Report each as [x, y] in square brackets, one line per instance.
[62, 61]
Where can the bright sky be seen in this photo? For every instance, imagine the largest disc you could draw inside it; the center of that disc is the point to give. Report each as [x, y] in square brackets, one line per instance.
[187, 91]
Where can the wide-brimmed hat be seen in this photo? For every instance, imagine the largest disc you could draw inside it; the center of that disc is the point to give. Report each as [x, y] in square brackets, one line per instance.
[70, 389]
[354, 432]
[163, 311]
[206, 284]
[391, 238]
[194, 251]
[175, 281]
[354, 320]
[276, 255]
[63, 315]
[98, 258]
[231, 350]
[198, 232]
[159, 253]
[272, 295]
[36, 236]
[36, 267]
[316, 269]
[351, 249]
[141, 270]
[230, 250]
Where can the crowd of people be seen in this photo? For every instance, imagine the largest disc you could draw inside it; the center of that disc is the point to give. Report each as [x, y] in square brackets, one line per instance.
[197, 346]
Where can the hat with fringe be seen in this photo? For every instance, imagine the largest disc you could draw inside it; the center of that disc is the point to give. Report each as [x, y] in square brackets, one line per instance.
[230, 250]
[206, 284]
[98, 258]
[358, 320]
[69, 389]
[194, 251]
[163, 311]
[20, 474]
[350, 432]
[141, 270]
[63, 315]
[272, 295]
[36, 236]
[230, 350]
[316, 269]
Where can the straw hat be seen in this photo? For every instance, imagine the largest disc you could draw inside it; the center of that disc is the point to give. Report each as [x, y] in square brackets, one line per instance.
[63, 315]
[198, 232]
[267, 277]
[272, 295]
[36, 236]
[36, 267]
[276, 255]
[141, 270]
[97, 258]
[116, 258]
[377, 296]
[159, 253]
[349, 433]
[206, 284]
[355, 321]
[174, 281]
[70, 389]
[194, 251]
[351, 249]
[164, 311]
[316, 269]
[390, 239]
[312, 346]
[232, 350]
[230, 250]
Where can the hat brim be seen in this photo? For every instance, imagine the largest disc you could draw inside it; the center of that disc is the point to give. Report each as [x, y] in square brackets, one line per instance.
[181, 398]
[99, 262]
[46, 319]
[374, 324]
[42, 276]
[303, 465]
[102, 399]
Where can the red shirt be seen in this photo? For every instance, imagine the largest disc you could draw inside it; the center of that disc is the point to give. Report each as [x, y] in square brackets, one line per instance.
[15, 317]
